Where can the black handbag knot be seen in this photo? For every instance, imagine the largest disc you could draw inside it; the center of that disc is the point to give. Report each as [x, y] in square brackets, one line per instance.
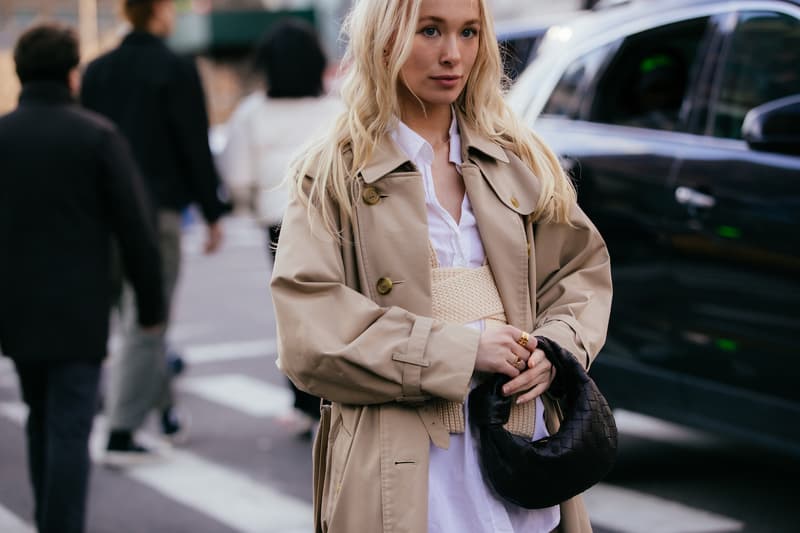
[487, 405]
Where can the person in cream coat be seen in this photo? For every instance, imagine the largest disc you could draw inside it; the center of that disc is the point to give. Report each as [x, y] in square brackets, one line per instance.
[264, 131]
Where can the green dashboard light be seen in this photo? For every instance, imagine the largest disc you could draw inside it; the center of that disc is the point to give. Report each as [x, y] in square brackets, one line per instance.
[727, 345]
[729, 232]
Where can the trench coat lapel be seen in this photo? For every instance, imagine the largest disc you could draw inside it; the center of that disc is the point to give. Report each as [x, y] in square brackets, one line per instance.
[503, 236]
[493, 192]
[392, 234]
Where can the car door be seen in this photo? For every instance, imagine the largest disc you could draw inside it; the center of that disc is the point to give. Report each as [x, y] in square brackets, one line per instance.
[736, 226]
[616, 119]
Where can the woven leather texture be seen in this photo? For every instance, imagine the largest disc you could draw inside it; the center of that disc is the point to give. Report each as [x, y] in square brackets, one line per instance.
[548, 471]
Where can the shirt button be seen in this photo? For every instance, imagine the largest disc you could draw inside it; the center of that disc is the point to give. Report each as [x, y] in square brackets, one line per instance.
[370, 196]
[384, 286]
[514, 202]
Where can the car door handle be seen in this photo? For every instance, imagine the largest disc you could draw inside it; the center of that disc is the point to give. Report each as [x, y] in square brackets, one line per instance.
[693, 198]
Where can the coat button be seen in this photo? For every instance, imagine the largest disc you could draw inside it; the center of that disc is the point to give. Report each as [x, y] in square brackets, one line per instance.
[514, 202]
[384, 286]
[370, 196]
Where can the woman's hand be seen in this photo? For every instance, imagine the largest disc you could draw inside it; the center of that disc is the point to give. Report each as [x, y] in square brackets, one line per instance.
[537, 377]
[501, 351]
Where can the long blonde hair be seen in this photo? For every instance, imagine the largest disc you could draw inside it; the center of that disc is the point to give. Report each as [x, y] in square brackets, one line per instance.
[380, 37]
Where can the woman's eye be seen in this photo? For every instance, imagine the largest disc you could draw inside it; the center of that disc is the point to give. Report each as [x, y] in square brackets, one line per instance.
[430, 31]
[469, 32]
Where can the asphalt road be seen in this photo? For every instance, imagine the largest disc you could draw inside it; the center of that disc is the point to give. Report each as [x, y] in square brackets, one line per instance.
[241, 471]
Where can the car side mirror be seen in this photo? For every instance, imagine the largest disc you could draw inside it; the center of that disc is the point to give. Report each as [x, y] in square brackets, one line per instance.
[774, 126]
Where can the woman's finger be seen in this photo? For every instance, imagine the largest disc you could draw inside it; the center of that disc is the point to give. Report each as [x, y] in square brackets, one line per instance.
[525, 340]
[518, 362]
[539, 374]
[507, 368]
[532, 394]
[519, 351]
[538, 358]
[523, 381]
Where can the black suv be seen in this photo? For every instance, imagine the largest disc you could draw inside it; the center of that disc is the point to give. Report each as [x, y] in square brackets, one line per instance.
[680, 123]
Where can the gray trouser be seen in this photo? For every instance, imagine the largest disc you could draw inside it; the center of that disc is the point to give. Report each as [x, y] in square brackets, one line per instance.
[138, 377]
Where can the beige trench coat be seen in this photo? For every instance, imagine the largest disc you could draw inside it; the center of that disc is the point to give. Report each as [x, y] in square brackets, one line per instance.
[354, 328]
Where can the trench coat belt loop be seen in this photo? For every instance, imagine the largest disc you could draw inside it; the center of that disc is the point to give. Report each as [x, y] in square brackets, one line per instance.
[413, 359]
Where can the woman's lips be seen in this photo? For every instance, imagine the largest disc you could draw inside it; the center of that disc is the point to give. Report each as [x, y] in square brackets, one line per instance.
[446, 81]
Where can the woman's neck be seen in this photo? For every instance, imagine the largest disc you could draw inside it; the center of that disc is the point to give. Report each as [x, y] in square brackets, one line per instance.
[434, 126]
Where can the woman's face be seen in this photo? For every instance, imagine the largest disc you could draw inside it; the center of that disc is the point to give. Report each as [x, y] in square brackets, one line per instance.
[444, 50]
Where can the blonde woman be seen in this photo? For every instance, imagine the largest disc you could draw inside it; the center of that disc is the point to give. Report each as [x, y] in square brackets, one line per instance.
[429, 239]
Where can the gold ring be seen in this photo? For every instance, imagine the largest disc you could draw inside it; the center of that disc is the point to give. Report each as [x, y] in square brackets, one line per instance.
[516, 362]
[523, 340]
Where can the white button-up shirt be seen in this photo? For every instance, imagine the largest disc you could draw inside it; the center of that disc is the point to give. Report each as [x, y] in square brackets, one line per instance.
[458, 498]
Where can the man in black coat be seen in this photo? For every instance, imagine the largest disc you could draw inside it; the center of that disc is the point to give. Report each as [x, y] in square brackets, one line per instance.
[68, 184]
[156, 99]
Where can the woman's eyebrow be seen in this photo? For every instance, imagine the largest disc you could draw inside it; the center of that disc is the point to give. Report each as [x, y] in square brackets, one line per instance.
[439, 20]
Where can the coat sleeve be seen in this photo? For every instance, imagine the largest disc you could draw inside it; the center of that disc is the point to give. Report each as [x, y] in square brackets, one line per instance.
[188, 119]
[573, 285]
[133, 225]
[336, 343]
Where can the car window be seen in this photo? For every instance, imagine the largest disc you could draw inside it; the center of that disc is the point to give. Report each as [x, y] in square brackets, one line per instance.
[647, 80]
[572, 90]
[517, 52]
[762, 63]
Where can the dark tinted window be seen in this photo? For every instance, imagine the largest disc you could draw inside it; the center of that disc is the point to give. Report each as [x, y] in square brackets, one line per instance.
[571, 92]
[761, 64]
[517, 52]
[646, 83]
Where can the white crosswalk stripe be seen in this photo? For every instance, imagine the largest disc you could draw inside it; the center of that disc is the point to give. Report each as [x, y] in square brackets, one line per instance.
[11, 523]
[226, 351]
[615, 508]
[248, 505]
[627, 511]
[242, 393]
[229, 497]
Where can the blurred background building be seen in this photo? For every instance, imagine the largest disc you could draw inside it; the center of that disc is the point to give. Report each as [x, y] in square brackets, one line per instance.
[219, 33]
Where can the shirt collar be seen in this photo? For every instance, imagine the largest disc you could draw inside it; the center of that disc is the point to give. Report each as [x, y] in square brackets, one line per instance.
[418, 149]
[388, 155]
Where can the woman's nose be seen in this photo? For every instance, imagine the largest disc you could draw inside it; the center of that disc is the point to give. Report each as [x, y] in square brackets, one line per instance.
[450, 52]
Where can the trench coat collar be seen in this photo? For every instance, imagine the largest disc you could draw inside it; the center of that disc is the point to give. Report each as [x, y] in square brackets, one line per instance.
[471, 139]
[387, 156]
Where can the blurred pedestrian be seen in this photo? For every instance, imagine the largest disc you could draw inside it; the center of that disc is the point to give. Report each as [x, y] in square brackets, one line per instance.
[156, 98]
[265, 130]
[67, 188]
[430, 237]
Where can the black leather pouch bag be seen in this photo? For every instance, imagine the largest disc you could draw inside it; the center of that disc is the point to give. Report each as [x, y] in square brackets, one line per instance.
[548, 471]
